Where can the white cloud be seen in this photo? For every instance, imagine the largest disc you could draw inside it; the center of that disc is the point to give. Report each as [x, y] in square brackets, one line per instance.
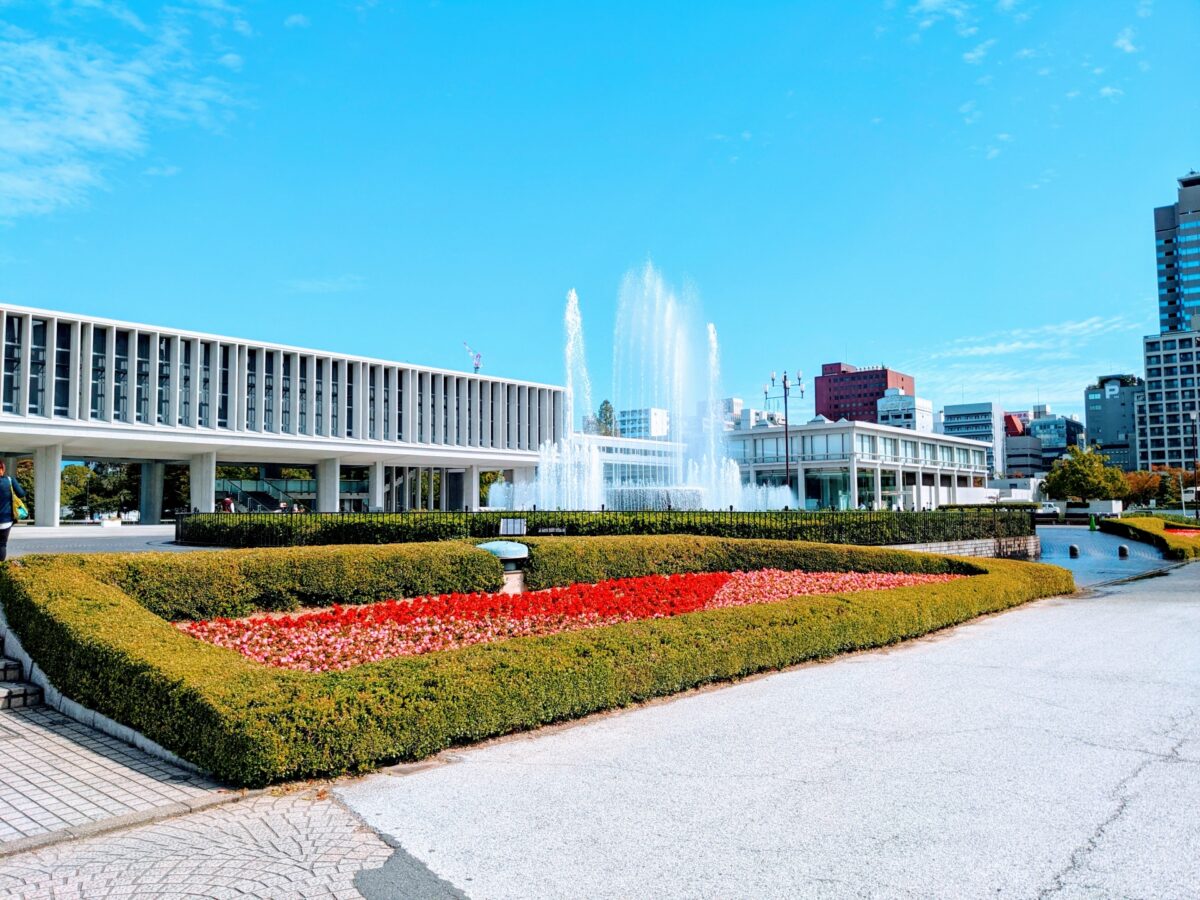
[1071, 95]
[1111, 93]
[296, 20]
[976, 55]
[992, 152]
[231, 61]
[70, 107]
[1124, 41]
[342, 284]
[162, 171]
[746, 135]
[1145, 9]
[1004, 137]
[969, 112]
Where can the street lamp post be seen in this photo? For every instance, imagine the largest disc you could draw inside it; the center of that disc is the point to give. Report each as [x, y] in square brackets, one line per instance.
[787, 389]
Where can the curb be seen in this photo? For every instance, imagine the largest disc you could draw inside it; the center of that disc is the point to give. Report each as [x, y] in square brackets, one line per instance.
[126, 820]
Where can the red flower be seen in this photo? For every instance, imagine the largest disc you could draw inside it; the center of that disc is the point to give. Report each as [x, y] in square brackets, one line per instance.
[341, 637]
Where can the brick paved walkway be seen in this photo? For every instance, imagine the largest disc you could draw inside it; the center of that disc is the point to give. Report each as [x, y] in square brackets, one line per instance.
[57, 775]
[294, 845]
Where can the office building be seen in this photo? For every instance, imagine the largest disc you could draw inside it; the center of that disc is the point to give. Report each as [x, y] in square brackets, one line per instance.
[652, 424]
[902, 410]
[847, 465]
[81, 388]
[1177, 248]
[846, 392]
[979, 422]
[1023, 456]
[1057, 434]
[1168, 410]
[1110, 417]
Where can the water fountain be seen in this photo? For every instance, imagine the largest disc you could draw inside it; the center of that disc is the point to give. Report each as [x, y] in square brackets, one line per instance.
[652, 368]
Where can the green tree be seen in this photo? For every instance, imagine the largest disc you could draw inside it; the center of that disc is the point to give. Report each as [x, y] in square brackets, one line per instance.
[1084, 474]
[606, 419]
[486, 480]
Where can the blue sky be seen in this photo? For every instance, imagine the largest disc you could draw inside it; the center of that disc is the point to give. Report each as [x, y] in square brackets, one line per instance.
[960, 190]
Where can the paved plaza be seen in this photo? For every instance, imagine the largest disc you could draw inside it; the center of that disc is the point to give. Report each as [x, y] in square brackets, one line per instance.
[1053, 750]
[93, 539]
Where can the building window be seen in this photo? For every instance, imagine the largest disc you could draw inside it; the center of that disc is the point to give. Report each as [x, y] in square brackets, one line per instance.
[37, 368]
[204, 413]
[224, 388]
[164, 381]
[184, 399]
[251, 389]
[143, 378]
[12, 364]
[285, 394]
[268, 358]
[121, 377]
[62, 370]
[99, 363]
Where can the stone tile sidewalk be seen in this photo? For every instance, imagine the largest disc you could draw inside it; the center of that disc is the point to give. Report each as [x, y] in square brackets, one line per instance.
[301, 845]
[60, 779]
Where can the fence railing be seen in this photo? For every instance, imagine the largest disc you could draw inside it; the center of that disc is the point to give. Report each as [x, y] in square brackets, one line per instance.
[852, 527]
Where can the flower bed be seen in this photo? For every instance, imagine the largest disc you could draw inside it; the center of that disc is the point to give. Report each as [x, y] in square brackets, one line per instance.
[342, 637]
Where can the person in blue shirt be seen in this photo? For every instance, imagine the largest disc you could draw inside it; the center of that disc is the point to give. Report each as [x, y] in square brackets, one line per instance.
[8, 514]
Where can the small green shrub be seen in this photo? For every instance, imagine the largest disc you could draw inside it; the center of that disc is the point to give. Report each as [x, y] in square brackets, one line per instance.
[231, 583]
[1153, 531]
[250, 724]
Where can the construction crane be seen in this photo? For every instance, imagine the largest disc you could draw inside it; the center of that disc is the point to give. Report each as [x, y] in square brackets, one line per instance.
[476, 358]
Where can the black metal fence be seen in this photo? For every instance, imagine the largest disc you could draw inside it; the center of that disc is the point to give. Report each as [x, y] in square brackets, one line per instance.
[854, 527]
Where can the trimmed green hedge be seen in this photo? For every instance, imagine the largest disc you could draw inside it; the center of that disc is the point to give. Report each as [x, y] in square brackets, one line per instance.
[854, 527]
[555, 562]
[250, 724]
[232, 583]
[1153, 531]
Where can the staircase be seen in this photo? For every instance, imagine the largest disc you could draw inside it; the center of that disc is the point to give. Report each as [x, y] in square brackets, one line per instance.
[15, 693]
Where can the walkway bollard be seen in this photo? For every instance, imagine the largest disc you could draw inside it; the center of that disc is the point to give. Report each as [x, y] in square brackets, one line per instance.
[1073, 551]
[1092, 522]
[1123, 552]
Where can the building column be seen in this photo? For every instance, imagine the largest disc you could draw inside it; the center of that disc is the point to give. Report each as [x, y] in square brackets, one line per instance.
[329, 484]
[375, 485]
[918, 491]
[444, 491]
[878, 503]
[801, 499]
[151, 494]
[853, 486]
[47, 479]
[900, 495]
[202, 481]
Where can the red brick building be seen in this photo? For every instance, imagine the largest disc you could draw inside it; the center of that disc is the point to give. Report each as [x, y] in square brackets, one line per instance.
[845, 392]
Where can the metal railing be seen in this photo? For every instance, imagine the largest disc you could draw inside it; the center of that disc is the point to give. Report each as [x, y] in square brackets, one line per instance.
[872, 528]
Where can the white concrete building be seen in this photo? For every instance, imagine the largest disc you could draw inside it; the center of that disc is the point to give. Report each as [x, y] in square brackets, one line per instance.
[651, 424]
[76, 387]
[901, 410]
[847, 465]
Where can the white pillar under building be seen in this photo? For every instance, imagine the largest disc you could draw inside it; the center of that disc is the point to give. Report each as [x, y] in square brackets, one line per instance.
[375, 486]
[47, 476]
[329, 476]
[151, 493]
[202, 481]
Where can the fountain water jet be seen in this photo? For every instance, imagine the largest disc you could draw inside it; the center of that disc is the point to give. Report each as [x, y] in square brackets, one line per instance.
[652, 369]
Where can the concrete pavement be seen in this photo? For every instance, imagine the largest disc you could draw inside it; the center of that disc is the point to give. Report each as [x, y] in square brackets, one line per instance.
[1053, 750]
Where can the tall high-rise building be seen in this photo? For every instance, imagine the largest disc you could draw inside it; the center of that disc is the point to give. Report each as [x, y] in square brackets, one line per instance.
[1169, 409]
[1110, 417]
[1177, 246]
[846, 392]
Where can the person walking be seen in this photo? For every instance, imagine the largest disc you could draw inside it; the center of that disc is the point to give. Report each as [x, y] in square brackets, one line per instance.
[10, 488]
